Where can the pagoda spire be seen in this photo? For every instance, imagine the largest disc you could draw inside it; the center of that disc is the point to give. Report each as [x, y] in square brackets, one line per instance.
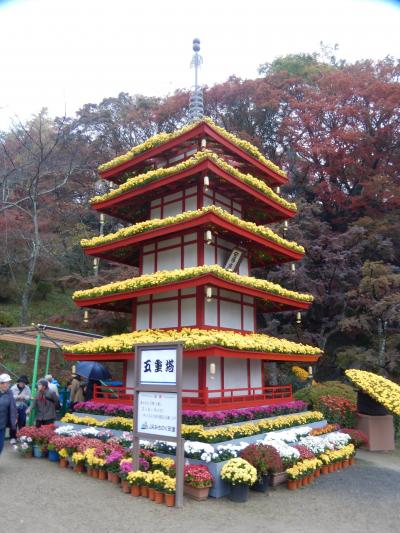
[196, 107]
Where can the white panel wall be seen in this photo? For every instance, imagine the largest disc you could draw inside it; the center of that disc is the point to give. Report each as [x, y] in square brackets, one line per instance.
[148, 264]
[235, 374]
[142, 316]
[188, 312]
[165, 314]
[169, 259]
[248, 318]
[230, 315]
[190, 257]
[210, 313]
[215, 383]
[129, 373]
[209, 254]
[190, 378]
[256, 377]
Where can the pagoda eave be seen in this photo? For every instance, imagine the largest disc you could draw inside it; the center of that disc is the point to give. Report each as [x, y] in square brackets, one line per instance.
[209, 351]
[114, 250]
[202, 129]
[272, 302]
[115, 206]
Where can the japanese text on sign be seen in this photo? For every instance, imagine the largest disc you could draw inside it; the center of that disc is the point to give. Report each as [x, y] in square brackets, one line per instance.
[157, 413]
[158, 367]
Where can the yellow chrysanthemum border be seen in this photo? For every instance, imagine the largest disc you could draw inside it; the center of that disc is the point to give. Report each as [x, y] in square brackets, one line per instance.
[379, 388]
[163, 137]
[168, 276]
[193, 338]
[159, 173]
[155, 223]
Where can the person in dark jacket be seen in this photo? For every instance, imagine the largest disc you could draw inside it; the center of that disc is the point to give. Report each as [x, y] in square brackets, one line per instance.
[8, 408]
[45, 403]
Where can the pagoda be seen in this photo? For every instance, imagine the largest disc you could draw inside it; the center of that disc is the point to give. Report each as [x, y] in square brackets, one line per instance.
[198, 202]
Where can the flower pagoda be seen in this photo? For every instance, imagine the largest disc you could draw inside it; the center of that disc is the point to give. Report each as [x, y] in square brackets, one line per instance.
[198, 202]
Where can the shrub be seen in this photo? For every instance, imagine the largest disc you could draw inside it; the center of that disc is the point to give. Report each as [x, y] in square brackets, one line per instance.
[338, 410]
[327, 388]
[358, 438]
[264, 458]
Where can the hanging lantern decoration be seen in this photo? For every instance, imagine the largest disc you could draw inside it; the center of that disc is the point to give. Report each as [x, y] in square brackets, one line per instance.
[206, 183]
[203, 144]
[298, 317]
[209, 237]
[86, 316]
[208, 294]
[285, 225]
[278, 190]
[213, 370]
[293, 267]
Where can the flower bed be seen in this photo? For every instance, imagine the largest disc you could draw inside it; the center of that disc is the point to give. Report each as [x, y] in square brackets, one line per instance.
[205, 418]
[163, 137]
[337, 410]
[163, 277]
[193, 338]
[379, 388]
[148, 225]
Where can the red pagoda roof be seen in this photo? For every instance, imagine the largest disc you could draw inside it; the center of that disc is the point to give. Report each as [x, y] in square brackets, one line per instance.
[257, 206]
[182, 143]
[261, 249]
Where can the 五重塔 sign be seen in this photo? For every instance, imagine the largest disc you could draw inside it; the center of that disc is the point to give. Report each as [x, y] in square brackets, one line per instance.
[158, 367]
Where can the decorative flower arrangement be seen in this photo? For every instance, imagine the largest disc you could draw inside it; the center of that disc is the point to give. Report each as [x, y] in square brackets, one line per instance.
[119, 423]
[113, 460]
[337, 410]
[300, 373]
[40, 436]
[379, 388]
[328, 428]
[154, 223]
[265, 459]
[163, 464]
[163, 277]
[161, 138]
[239, 472]
[24, 445]
[137, 477]
[197, 476]
[288, 454]
[333, 456]
[305, 453]
[358, 438]
[193, 338]
[78, 458]
[303, 468]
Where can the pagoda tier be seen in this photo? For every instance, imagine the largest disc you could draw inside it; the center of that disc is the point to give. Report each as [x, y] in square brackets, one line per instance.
[239, 362]
[263, 246]
[141, 197]
[166, 149]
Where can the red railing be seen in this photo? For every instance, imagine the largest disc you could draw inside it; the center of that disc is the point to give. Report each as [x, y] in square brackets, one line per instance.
[205, 399]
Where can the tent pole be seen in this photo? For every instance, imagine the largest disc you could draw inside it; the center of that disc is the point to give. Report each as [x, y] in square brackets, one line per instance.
[35, 373]
[47, 362]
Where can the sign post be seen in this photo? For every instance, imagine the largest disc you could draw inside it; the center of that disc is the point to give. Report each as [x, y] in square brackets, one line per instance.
[157, 407]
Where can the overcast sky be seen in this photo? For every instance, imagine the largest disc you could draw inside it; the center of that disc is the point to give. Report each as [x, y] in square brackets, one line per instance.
[62, 54]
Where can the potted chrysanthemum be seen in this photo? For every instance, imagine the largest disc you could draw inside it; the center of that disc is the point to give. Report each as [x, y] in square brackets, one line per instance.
[240, 475]
[198, 481]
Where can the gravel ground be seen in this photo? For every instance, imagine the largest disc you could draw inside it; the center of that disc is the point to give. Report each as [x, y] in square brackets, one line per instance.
[37, 496]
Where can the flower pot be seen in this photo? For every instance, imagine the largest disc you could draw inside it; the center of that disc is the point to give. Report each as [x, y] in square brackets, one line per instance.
[169, 500]
[63, 462]
[78, 468]
[89, 471]
[261, 485]
[53, 456]
[317, 472]
[346, 463]
[102, 475]
[325, 469]
[125, 487]
[152, 494]
[292, 484]
[37, 452]
[331, 468]
[368, 406]
[28, 454]
[199, 494]
[352, 461]
[159, 497]
[135, 490]
[239, 493]
[115, 478]
[95, 473]
[109, 475]
[144, 491]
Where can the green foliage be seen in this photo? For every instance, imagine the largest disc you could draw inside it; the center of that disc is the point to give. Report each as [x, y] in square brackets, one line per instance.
[328, 388]
[6, 319]
[338, 410]
[42, 290]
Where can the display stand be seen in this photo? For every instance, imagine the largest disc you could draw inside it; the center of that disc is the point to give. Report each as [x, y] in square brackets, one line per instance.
[379, 430]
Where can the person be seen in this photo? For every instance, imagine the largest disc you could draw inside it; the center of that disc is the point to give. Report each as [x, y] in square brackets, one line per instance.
[45, 403]
[8, 408]
[22, 396]
[53, 384]
[89, 389]
[75, 391]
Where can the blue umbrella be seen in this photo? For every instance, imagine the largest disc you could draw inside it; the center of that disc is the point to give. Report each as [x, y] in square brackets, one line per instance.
[92, 370]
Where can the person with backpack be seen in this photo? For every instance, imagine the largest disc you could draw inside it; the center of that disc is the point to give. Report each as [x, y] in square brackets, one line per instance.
[8, 408]
[45, 403]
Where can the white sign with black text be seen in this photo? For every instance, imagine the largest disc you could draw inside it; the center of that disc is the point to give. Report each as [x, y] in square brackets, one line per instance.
[158, 367]
[157, 413]
[234, 260]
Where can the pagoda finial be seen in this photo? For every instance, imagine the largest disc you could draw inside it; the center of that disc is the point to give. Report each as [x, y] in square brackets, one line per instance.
[196, 107]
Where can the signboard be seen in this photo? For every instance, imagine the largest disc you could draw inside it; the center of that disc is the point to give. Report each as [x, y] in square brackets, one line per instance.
[158, 367]
[157, 409]
[234, 260]
[157, 413]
